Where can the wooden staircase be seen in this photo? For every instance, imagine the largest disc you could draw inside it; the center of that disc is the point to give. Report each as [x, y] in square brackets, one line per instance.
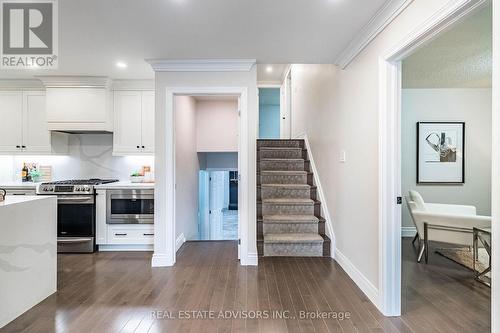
[289, 221]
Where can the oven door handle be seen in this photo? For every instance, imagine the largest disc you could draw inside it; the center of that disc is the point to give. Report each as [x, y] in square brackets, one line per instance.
[73, 200]
[74, 240]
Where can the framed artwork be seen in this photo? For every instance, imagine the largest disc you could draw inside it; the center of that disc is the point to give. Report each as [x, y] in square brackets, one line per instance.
[440, 152]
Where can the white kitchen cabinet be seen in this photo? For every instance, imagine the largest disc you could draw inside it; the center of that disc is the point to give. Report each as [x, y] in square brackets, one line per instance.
[133, 123]
[148, 121]
[23, 128]
[11, 113]
[132, 234]
[100, 217]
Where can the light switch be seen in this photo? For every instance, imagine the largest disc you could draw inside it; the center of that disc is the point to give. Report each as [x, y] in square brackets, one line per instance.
[342, 156]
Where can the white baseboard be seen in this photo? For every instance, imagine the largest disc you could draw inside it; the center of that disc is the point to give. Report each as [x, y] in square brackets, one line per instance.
[179, 241]
[161, 260]
[321, 195]
[125, 248]
[363, 283]
[408, 231]
[252, 260]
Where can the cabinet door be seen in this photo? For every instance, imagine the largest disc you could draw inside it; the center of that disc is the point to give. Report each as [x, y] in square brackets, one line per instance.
[127, 129]
[148, 121]
[11, 115]
[36, 136]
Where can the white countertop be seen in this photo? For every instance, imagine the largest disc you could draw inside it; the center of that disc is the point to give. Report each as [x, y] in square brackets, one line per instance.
[125, 185]
[18, 184]
[17, 199]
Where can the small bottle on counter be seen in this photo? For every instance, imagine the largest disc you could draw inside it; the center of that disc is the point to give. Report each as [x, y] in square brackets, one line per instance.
[24, 173]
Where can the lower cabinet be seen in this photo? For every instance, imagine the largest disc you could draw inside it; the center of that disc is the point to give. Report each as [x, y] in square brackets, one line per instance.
[120, 237]
[130, 234]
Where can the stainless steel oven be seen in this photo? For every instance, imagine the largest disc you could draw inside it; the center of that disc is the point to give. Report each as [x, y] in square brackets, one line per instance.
[75, 223]
[130, 206]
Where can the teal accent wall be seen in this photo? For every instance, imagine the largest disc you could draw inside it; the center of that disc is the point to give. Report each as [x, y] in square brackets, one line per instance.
[269, 113]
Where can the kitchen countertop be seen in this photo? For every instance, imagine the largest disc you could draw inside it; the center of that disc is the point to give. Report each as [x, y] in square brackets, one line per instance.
[125, 185]
[18, 184]
[18, 199]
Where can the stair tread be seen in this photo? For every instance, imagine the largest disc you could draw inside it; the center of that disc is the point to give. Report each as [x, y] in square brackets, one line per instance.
[287, 172]
[281, 148]
[289, 201]
[290, 218]
[304, 186]
[273, 159]
[293, 238]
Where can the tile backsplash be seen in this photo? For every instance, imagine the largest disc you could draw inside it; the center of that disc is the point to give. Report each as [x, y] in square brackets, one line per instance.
[90, 156]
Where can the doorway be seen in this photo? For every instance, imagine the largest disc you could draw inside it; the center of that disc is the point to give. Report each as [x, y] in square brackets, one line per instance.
[390, 153]
[207, 144]
[269, 113]
[218, 205]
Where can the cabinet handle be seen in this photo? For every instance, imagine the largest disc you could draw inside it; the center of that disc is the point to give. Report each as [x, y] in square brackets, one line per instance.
[120, 234]
[143, 147]
[148, 234]
[18, 147]
[138, 147]
[23, 146]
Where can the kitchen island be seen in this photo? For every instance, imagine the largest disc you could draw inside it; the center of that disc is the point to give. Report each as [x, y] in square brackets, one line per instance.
[28, 253]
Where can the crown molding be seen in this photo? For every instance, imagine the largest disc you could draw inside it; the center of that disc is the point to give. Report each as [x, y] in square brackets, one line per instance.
[21, 84]
[202, 65]
[74, 81]
[133, 84]
[382, 18]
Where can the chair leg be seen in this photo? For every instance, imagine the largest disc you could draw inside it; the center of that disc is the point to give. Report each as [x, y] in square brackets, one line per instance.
[421, 253]
[426, 242]
[414, 239]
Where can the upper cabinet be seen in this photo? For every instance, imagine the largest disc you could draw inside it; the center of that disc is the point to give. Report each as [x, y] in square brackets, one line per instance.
[23, 128]
[133, 123]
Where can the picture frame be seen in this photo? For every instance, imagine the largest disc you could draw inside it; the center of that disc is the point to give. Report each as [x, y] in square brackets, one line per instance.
[440, 152]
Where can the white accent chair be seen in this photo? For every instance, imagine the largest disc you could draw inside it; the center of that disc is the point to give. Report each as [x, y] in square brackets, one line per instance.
[442, 223]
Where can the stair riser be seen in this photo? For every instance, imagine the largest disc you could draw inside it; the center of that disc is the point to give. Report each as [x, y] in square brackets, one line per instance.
[278, 209]
[290, 228]
[291, 165]
[283, 192]
[293, 250]
[283, 179]
[312, 194]
[260, 228]
[292, 153]
[280, 143]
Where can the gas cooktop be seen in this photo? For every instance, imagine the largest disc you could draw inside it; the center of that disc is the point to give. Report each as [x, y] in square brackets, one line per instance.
[92, 181]
[73, 186]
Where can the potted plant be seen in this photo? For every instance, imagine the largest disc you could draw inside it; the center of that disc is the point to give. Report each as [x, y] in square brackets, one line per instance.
[136, 177]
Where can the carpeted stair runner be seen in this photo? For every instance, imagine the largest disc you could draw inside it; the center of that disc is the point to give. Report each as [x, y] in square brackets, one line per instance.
[289, 221]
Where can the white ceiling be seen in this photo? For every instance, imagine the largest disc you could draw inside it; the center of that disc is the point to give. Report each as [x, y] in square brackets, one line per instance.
[95, 34]
[274, 76]
[459, 58]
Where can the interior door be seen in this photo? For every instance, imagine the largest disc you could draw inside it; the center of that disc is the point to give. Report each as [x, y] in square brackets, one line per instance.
[148, 121]
[216, 204]
[203, 205]
[11, 115]
[36, 136]
[286, 107]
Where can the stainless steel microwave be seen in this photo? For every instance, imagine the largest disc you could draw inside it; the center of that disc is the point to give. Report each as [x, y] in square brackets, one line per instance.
[130, 206]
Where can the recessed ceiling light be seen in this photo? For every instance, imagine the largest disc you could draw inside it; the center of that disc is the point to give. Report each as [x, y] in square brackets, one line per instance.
[269, 69]
[121, 64]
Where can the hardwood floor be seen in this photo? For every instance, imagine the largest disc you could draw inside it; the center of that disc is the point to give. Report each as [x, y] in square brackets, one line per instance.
[118, 292]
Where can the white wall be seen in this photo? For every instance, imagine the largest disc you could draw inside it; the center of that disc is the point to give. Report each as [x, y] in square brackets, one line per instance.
[186, 168]
[204, 80]
[90, 156]
[217, 125]
[473, 106]
[343, 115]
